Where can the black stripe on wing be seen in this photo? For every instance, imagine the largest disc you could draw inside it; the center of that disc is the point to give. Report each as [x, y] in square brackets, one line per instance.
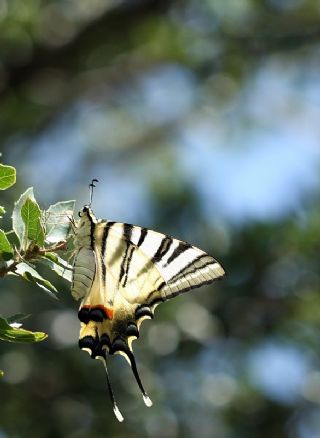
[184, 275]
[191, 267]
[181, 248]
[143, 234]
[163, 249]
[189, 287]
[129, 258]
[124, 267]
[106, 230]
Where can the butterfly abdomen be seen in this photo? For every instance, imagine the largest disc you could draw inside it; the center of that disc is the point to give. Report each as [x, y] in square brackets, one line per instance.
[84, 270]
[84, 263]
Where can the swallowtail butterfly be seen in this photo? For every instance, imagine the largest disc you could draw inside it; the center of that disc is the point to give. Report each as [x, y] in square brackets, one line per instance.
[121, 273]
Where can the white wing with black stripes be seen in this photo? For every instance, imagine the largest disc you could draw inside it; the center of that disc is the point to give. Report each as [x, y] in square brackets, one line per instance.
[163, 266]
[121, 273]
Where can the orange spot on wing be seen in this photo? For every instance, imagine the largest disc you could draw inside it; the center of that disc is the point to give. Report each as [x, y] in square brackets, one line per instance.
[108, 311]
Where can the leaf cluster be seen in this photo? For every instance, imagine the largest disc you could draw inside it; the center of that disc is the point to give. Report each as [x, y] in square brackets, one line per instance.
[36, 238]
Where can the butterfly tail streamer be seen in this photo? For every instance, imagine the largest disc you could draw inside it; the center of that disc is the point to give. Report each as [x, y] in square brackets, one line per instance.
[115, 408]
[146, 398]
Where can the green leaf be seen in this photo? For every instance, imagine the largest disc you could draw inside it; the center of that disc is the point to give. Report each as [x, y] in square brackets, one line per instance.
[30, 274]
[58, 265]
[7, 176]
[57, 221]
[17, 222]
[6, 250]
[2, 211]
[31, 216]
[1, 373]
[18, 317]
[13, 334]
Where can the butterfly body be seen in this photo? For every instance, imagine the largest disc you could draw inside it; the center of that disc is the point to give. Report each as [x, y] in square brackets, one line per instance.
[121, 273]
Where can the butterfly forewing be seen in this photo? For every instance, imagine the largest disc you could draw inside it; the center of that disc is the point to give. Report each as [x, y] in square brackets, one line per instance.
[163, 263]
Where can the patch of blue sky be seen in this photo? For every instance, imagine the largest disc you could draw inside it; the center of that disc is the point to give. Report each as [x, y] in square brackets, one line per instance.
[269, 164]
[279, 370]
[121, 195]
[54, 160]
[265, 179]
[161, 95]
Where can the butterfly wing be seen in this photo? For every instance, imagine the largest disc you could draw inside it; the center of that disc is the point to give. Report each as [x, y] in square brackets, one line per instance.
[136, 269]
[156, 267]
[131, 270]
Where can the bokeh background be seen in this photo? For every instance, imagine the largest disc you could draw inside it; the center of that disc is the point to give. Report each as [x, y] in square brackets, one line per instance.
[200, 119]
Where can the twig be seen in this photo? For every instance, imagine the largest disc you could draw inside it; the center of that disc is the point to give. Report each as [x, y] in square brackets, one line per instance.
[32, 253]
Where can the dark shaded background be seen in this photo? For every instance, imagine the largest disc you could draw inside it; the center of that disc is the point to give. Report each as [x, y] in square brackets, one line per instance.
[200, 119]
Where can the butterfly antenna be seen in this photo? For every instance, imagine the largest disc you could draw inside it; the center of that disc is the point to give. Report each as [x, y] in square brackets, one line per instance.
[116, 410]
[145, 396]
[91, 185]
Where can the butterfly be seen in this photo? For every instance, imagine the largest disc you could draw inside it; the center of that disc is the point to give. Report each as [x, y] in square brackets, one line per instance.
[121, 273]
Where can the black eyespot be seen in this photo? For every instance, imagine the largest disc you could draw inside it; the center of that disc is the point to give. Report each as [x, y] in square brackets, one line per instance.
[84, 315]
[105, 340]
[143, 311]
[118, 344]
[132, 330]
[97, 315]
[89, 342]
